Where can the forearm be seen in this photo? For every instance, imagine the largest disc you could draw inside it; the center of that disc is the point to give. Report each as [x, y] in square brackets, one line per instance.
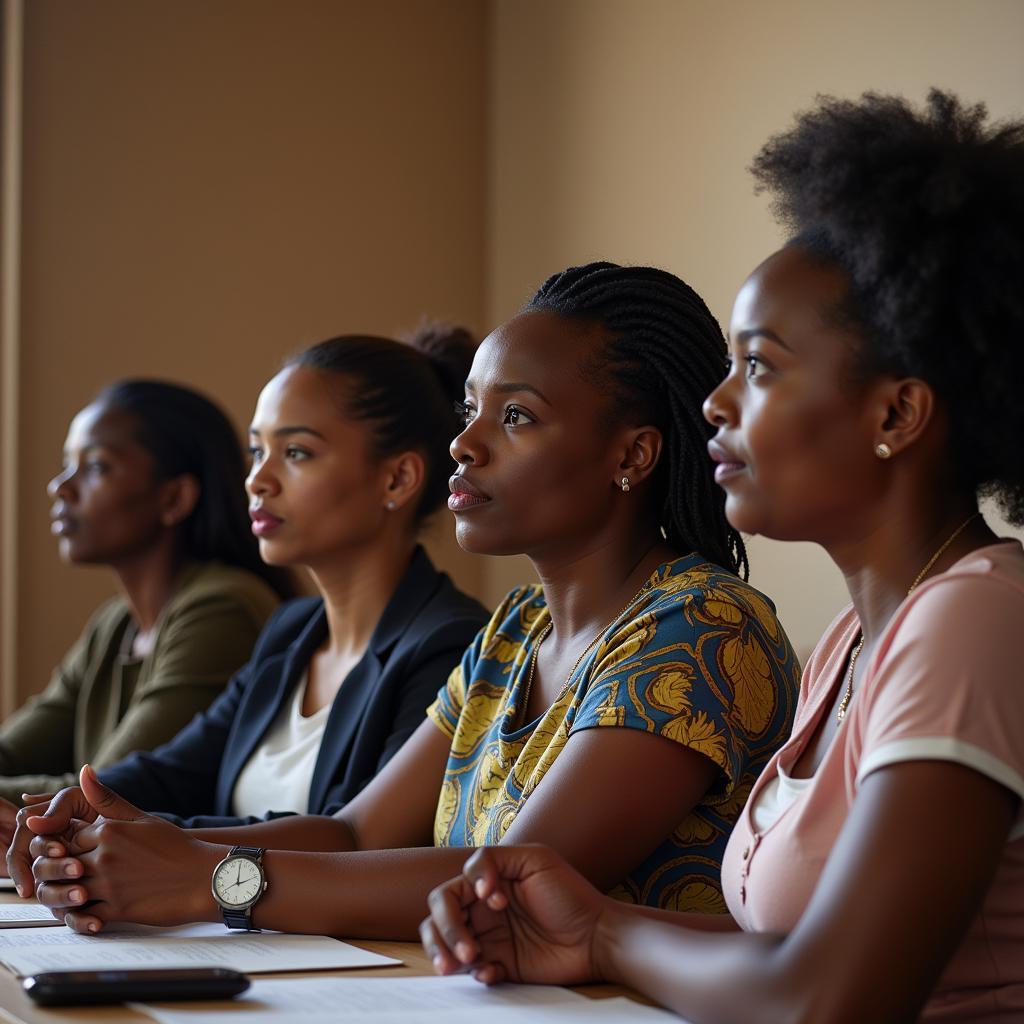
[685, 969]
[301, 832]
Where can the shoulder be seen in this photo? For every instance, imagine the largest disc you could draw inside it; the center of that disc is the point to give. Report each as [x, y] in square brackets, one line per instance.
[105, 622]
[228, 587]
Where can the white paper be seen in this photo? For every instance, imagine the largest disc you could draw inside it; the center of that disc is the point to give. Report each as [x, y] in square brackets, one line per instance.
[27, 914]
[31, 950]
[458, 1000]
[6, 884]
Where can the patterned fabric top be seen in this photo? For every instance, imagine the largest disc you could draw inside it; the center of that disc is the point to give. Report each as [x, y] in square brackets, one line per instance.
[698, 657]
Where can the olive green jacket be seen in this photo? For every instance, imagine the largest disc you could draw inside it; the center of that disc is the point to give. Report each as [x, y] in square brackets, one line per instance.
[101, 705]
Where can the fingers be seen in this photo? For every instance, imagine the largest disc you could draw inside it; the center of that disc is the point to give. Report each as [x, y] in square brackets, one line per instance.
[55, 816]
[19, 861]
[448, 904]
[56, 869]
[104, 799]
[84, 923]
[434, 946]
[483, 874]
[37, 798]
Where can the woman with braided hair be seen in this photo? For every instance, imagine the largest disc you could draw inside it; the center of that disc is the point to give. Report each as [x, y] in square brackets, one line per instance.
[877, 873]
[620, 712]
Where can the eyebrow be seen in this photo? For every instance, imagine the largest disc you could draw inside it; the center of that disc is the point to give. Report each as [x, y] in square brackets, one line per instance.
[513, 387]
[288, 431]
[760, 332]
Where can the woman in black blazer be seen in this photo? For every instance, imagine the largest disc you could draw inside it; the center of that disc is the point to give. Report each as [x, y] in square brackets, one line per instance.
[350, 455]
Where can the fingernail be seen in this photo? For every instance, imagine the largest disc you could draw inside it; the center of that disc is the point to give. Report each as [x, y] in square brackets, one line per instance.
[72, 869]
[75, 895]
[21, 891]
[93, 926]
[464, 951]
[437, 963]
[479, 887]
[53, 850]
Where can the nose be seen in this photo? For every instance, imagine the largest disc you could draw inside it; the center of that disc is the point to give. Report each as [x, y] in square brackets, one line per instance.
[262, 479]
[59, 485]
[468, 448]
[719, 408]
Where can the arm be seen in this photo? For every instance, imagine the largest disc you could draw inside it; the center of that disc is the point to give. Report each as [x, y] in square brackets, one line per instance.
[522, 914]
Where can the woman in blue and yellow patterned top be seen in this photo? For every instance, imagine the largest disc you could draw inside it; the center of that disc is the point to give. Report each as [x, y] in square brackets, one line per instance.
[619, 712]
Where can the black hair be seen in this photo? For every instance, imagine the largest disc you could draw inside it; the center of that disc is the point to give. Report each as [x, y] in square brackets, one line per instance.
[664, 353]
[406, 390]
[924, 211]
[187, 433]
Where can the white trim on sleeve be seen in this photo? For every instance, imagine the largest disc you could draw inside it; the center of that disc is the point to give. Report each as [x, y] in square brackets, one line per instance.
[947, 748]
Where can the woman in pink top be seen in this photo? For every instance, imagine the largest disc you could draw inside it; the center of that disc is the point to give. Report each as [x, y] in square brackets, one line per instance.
[877, 872]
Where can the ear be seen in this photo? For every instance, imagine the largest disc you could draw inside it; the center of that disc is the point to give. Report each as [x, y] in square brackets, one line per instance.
[641, 449]
[905, 411]
[178, 499]
[404, 477]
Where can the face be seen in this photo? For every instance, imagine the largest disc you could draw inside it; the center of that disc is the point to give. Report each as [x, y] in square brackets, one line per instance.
[537, 457]
[315, 492]
[107, 503]
[794, 448]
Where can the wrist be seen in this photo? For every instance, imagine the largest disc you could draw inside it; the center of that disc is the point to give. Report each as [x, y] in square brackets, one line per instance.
[204, 906]
[606, 942]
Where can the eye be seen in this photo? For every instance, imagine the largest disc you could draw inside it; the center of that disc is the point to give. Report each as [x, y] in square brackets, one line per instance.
[516, 417]
[295, 454]
[464, 411]
[756, 366]
[255, 453]
[95, 467]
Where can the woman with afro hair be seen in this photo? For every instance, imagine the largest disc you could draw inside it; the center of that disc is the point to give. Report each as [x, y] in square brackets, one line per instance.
[877, 871]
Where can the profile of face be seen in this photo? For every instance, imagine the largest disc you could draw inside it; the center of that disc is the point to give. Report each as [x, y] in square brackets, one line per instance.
[108, 505]
[538, 456]
[794, 446]
[314, 487]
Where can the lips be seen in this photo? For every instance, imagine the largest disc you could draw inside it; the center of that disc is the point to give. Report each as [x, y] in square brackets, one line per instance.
[62, 524]
[264, 523]
[464, 494]
[727, 465]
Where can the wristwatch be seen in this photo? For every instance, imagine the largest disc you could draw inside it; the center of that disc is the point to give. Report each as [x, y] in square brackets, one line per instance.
[238, 882]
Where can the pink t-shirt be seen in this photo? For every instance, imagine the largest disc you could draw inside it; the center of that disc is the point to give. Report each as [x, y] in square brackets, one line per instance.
[945, 682]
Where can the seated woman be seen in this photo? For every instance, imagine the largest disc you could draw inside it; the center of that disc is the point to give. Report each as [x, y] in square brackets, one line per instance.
[151, 486]
[878, 870]
[637, 693]
[349, 448]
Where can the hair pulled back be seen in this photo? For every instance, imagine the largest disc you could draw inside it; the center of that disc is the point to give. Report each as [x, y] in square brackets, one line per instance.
[664, 353]
[406, 391]
[924, 210]
[187, 433]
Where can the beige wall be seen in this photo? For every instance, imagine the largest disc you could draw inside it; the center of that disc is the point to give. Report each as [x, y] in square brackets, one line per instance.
[210, 184]
[621, 129]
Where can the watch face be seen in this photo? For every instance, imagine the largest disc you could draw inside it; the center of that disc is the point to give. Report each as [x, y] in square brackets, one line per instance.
[237, 881]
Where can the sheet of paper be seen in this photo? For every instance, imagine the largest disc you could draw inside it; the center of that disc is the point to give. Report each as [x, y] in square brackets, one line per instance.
[31, 950]
[458, 1000]
[6, 885]
[27, 915]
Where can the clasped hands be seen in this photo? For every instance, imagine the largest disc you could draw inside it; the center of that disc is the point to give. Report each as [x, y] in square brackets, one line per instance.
[93, 858]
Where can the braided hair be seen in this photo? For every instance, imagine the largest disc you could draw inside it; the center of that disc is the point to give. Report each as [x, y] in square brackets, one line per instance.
[664, 353]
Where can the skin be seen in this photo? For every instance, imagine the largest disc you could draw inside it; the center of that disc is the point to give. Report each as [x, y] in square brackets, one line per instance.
[110, 509]
[517, 449]
[797, 438]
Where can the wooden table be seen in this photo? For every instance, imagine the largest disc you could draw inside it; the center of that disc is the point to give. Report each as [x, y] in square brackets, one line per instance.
[17, 1008]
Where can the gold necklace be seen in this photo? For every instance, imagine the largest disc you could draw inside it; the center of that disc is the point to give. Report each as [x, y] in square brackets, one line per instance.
[528, 686]
[841, 712]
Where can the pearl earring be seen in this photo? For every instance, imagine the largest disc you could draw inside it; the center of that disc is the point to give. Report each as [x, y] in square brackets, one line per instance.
[883, 451]
[390, 506]
[625, 483]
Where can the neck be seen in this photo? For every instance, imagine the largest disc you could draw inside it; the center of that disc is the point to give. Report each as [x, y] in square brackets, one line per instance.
[585, 590]
[881, 565]
[148, 582]
[356, 587]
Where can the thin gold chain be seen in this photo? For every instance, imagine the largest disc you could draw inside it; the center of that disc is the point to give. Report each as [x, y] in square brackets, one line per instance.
[528, 686]
[841, 711]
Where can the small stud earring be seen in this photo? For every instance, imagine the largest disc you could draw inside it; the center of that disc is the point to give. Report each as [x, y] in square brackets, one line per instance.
[883, 451]
[625, 483]
[390, 506]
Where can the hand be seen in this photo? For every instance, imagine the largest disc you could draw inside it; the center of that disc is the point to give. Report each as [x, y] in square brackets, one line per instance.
[516, 914]
[62, 822]
[127, 866]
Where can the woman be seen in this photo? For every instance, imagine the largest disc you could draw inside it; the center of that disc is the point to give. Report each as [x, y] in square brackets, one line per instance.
[150, 486]
[878, 870]
[349, 448]
[638, 660]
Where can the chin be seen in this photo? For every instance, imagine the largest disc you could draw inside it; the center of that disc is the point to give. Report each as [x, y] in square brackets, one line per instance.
[480, 542]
